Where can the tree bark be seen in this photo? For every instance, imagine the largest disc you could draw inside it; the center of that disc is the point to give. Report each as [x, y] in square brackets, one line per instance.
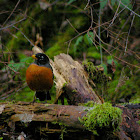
[47, 121]
[13, 116]
[26, 112]
[72, 81]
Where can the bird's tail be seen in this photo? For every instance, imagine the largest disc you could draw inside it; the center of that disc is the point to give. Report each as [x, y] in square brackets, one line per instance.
[43, 95]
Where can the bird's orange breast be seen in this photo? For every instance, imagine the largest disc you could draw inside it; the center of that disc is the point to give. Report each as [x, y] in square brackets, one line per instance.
[39, 78]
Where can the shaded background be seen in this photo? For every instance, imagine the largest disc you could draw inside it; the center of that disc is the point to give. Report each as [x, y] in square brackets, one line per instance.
[98, 33]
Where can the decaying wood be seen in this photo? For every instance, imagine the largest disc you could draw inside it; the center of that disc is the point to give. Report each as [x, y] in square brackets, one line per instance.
[40, 119]
[130, 116]
[26, 112]
[21, 113]
[72, 81]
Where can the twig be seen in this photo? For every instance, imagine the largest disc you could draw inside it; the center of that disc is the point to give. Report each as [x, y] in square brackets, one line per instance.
[11, 25]
[114, 55]
[72, 26]
[23, 35]
[114, 19]
[92, 40]
[86, 31]
[87, 5]
[129, 33]
[76, 36]
[12, 12]
[68, 47]
[23, 86]
[12, 69]
[129, 9]
[123, 47]
[123, 25]
[115, 15]
[91, 12]
[99, 34]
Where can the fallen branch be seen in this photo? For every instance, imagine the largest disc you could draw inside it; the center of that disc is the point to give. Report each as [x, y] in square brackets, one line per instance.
[45, 118]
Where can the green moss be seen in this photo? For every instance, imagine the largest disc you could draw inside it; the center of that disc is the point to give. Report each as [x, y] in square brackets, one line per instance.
[17, 43]
[136, 101]
[64, 85]
[63, 128]
[98, 76]
[74, 90]
[113, 89]
[25, 95]
[55, 50]
[138, 122]
[88, 104]
[93, 52]
[102, 116]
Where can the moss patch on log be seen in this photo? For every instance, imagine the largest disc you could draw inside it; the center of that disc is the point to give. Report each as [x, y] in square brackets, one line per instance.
[102, 117]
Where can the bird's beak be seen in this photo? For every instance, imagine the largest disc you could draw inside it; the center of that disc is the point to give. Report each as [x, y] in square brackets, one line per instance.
[33, 56]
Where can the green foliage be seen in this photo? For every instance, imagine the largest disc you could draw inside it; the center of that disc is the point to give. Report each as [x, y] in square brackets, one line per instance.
[88, 38]
[63, 130]
[103, 3]
[55, 50]
[25, 95]
[17, 42]
[109, 61]
[136, 101]
[102, 116]
[78, 41]
[138, 122]
[105, 67]
[83, 43]
[15, 66]
[89, 104]
[71, 1]
[18, 66]
[120, 88]
[93, 52]
[49, 26]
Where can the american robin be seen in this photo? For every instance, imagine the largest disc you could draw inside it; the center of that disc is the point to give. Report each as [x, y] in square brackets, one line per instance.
[39, 76]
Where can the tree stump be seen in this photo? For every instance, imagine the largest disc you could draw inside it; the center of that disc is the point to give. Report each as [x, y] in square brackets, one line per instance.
[72, 81]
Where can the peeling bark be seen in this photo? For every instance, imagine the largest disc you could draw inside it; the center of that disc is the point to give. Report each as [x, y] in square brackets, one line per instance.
[45, 118]
[72, 81]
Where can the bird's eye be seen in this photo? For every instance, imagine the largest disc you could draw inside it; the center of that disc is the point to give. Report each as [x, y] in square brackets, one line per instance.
[42, 57]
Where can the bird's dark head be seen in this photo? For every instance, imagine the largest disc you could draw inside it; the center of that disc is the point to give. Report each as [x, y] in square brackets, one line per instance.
[41, 58]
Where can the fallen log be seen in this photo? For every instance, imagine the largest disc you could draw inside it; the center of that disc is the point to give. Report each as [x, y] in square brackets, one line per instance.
[38, 120]
[52, 118]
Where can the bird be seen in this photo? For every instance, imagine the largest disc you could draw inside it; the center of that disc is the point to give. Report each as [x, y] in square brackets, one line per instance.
[39, 77]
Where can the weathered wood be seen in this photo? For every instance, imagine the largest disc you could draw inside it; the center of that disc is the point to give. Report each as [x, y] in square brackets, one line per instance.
[12, 114]
[41, 120]
[72, 81]
[129, 125]
[26, 112]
